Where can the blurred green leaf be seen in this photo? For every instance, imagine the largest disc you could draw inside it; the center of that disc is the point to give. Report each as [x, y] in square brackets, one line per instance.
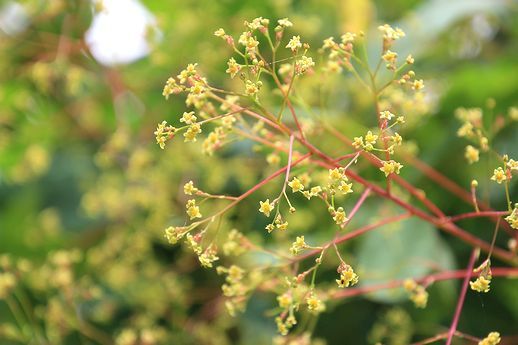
[408, 249]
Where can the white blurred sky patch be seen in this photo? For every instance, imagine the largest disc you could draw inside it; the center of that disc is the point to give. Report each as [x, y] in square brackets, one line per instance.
[13, 18]
[118, 32]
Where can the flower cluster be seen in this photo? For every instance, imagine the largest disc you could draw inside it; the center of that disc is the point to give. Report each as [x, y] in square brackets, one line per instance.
[338, 182]
[164, 133]
[472, 129]
[234, 288]
[235, 244]
[249, 117]
[481, 284]
[193, 211]
[284, 325]
[512, 219]
[174, 234]
[347, 276]
[369, 141]
[208, 256]
[418, 294]
[286, 320]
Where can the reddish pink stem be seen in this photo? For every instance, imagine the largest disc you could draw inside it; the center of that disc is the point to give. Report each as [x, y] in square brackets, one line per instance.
[260, 184]
[290, 155]
[478, 214]
[357, 206]
[446, 275]
[462, 296]
[354, 234]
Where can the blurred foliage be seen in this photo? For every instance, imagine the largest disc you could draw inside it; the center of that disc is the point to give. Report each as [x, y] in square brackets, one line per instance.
[85, 192]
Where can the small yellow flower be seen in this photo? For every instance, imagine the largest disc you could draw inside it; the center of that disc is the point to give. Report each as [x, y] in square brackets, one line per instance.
[192, 132]
[284, 22]
[294, 43]
[471, 154]
[492, 338]
[251, 45]
[409, 60]
[390, 57]
[189, 188]
[235, 273]
[466, 130]
[296, 185]
[347, 276]
[397, 139]
[188, 118]
[257, 23]
[171, 87]
[481, 284]
[512, 164]
[340, 216]
[386, 115]
[273, 159]
[333, 67]
[337, 174]
[251, 88]
[329, 43]
[345, 187]
[499, 175]
[390, 167]
[314, 304]
[193, 243]
[418, 294]
[390, 33]
[418, 84]
[198, 88]
[219, 33]
[358, 142]
[208, 257]
[348, 37]
[233, 67]
[419, 297]
[174, 234]
[164, 133]
[298, 245]
[370, 138]
[303, 65]
[189, 71]
[280, 224]
[484, 144]
[512, 219]
[234, 243]
[284, 300]
[266, 207]
[193, 211]
[409, 285]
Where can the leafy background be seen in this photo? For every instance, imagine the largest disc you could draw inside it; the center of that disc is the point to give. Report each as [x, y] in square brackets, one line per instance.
[79, 167]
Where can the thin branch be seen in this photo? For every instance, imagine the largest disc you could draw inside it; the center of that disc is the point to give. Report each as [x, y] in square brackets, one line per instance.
[353, 234]
[508, 272]
[462, 296]
[477, 214]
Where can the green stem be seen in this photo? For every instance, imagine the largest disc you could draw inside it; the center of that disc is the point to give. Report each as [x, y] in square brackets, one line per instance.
[507, 196]
[18, 316]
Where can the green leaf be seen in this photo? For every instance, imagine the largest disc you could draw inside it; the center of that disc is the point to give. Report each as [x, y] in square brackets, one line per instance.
[411, 248]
